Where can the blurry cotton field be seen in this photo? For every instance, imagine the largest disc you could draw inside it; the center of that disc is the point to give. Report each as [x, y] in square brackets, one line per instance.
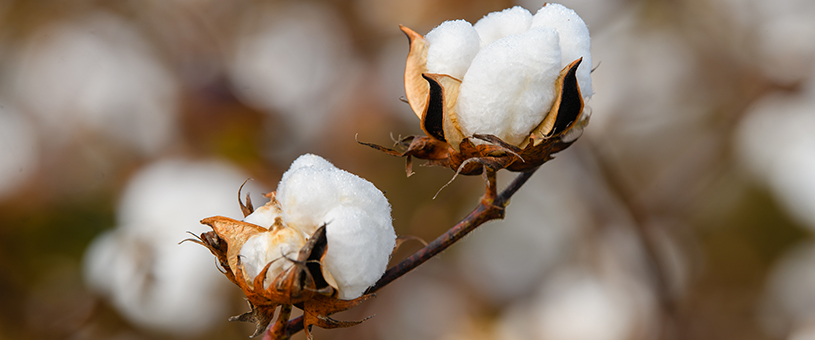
[686, 210]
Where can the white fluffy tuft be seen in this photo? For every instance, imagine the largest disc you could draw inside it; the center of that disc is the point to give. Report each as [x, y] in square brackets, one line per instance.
[357, 242]
[452, 46]
[509, 86]
[263, 216]
[575, 41]
[497, 25]
[278, 247]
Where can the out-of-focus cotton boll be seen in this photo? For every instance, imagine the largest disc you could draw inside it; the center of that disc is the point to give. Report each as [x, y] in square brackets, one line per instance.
[19, 147]
[152, 280]
[497, 25]
[294, 60]
[776, 142]
[775, 36]
[508, 259]
[789, 301]
[96, 72]
[643, 60]
[359, 231]
[421, 306]
[575, 305]
[806, 332]
[784, 37]
[654, 69]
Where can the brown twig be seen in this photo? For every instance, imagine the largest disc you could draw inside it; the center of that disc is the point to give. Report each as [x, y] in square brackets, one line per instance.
[490, 208]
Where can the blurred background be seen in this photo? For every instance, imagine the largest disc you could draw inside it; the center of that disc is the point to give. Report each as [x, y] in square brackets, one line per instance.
[686, 210]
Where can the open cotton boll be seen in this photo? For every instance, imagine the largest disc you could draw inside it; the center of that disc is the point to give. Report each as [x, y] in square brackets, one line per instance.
[278, 246]
[575, 41]
[497, 25]
[452, 47]
[356, 214]
[509, 86]
[359, 247]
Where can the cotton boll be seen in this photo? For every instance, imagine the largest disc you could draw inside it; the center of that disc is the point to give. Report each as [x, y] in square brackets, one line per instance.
[279, 247]
[575, 41]
[356, 214]
[509, 85]
[577, 304]
[784, 161]
[789, 301]
[497, 25]
[452, 47]
[97, 73]
[793, 181]
[358, 249]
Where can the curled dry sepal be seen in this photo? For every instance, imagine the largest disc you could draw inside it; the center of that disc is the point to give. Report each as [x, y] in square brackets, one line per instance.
[507, 92]
[324, 237]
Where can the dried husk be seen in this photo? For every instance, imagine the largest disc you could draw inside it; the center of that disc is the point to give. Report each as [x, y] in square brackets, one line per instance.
[415, 86]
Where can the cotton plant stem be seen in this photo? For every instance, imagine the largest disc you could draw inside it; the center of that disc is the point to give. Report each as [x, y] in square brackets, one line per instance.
[490, 208]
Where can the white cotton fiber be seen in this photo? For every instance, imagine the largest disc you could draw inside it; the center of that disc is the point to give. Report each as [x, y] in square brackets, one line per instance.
[263, 216]
[497, 25]
[509, 86]
[452, 46]
[280, 247]
[310, 160]
[575, 41]
[306, 195]
[359, 248]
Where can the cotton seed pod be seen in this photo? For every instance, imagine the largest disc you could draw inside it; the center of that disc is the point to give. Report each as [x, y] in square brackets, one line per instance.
[324, 237]
[506, 92]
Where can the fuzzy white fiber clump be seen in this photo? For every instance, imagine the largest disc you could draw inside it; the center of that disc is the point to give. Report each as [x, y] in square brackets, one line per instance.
[508, 76]
[356, 215]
